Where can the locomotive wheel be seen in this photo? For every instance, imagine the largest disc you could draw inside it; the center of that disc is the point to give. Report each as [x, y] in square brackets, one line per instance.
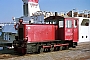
[15, 48]
[67, 47]
[41, 50]
[56, 48]
[37, 49]
[52, 49]
[23, 51]
[74, 46]
[61, 48]
[45, 49]
[48, 49]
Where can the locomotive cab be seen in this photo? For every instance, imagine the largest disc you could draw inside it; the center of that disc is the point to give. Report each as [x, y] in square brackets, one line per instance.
[67, 28]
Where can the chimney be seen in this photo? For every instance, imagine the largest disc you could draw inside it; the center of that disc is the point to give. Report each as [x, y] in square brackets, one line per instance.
[56, 14]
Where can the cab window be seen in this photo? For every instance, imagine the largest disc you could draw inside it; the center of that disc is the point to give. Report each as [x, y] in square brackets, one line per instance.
[75, 23]
[61, 23]
[68, 24]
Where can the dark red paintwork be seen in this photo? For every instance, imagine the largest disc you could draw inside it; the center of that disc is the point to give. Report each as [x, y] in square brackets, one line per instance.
[51, 32]
[65, 33]
[69, 33]
[40, 32]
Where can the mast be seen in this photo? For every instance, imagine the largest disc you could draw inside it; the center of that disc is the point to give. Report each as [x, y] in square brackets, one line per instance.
[30, 7]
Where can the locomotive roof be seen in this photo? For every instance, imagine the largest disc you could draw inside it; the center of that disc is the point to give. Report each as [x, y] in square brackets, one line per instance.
[57, 17]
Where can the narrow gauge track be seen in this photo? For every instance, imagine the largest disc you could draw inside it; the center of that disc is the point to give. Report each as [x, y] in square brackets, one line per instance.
[72, 53]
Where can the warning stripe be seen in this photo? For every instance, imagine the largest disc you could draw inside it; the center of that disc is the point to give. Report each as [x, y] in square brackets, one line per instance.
[35, 1]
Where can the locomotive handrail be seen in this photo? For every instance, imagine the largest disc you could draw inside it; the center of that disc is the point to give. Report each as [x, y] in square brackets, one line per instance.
[15, 26]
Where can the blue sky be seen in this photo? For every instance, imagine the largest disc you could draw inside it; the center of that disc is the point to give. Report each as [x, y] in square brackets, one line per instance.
[10, 8]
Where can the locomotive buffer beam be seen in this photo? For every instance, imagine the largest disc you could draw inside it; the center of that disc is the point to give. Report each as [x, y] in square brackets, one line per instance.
[61, 45]
[47, 46]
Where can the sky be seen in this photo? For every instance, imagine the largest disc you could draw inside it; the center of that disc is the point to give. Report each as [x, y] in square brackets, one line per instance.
[14, 8]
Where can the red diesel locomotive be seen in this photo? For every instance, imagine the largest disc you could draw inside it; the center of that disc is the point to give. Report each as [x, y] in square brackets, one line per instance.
[57, 33]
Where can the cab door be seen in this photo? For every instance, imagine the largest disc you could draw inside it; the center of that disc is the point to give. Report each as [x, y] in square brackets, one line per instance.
[68, 29]
[75, 30]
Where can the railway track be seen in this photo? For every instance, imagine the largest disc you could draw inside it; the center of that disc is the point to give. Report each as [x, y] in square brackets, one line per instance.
[82, 52]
